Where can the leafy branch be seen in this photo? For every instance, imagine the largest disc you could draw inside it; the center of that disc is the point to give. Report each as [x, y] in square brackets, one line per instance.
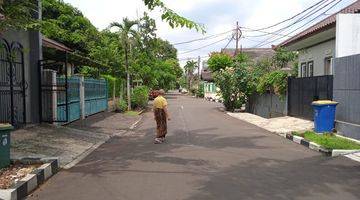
[172, 18]
[18, 15]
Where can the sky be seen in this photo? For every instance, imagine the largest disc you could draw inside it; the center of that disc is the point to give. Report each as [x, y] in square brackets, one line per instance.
[218, 16]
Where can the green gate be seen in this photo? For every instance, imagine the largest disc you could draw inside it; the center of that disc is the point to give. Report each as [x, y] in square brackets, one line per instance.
[96, 96]
[69, 111]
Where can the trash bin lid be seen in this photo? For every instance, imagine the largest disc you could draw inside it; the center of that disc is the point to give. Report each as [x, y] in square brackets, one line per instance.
[324, 102]
[4, 127]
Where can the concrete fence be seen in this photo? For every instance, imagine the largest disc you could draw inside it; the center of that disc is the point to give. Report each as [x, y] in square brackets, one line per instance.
[267, 105]
[347, 93]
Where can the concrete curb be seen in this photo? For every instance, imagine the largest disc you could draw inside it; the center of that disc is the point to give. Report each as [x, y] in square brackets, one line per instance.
[133, 126]
[84, 154]
[316, 147]
[29, 183]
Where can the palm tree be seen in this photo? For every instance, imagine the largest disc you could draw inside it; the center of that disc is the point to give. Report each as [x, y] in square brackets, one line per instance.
[126, 33]
[189, 71]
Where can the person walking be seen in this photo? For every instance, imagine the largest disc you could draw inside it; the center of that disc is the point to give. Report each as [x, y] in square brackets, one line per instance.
[161, 116]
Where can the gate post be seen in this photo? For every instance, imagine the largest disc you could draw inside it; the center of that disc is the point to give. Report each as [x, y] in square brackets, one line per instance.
[48, 96]
[82, 96]
[288, 96]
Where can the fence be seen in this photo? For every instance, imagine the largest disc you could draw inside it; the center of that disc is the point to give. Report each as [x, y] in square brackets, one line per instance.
[267, 105]
[347, 93]
[73, 100]
[96, 96]
[303, 91]
[66, 99]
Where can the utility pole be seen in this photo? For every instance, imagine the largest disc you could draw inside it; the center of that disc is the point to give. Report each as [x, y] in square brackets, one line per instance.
[199, 61]
[237, 38]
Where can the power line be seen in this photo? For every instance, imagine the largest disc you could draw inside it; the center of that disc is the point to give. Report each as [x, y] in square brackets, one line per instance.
[203, 46]
[303, 24]
[204, 38]
[267, 33]
[313, 11]
[193, 58]
[232, 37]
[291, 18]
[299, 20]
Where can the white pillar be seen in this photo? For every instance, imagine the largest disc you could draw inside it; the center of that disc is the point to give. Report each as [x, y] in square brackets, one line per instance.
[49, 97]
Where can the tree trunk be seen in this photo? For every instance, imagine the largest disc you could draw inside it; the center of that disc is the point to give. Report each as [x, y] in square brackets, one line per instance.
[127, 79]
[114, 95]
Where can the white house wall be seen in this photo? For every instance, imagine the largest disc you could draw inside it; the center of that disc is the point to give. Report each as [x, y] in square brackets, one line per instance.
[347, 34]
[317, 53]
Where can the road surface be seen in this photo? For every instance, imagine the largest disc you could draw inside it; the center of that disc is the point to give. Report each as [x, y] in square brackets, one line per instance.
[208, 155]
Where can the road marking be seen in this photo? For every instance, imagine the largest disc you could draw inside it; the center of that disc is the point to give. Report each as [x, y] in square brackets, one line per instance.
[182, 107]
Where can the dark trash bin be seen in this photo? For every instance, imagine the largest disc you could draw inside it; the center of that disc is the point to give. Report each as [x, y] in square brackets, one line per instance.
[5, 145]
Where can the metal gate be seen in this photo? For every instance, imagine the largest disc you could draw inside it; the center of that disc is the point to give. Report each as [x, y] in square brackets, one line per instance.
[12, 83]
[303, 91]
[53, 90]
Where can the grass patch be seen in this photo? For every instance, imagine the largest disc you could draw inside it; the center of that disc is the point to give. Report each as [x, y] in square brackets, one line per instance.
[329, 140]
[131, 113]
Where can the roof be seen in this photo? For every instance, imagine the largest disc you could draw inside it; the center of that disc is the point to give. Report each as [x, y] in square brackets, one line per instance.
[206, 75]
[323, 25]
[253, 53]
[55, 45]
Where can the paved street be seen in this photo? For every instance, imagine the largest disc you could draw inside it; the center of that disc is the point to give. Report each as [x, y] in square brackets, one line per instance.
[208, 155]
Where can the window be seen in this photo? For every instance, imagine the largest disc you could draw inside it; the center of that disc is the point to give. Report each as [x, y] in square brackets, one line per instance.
[310, 70]
[328, 66]
[303, 70]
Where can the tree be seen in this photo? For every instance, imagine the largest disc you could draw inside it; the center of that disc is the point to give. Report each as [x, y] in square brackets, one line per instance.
[282, 57]
[219, 61]
[172, 18]
[66, 24]
[189, 71]
[18, 14]
[233, 78]
[125, 34]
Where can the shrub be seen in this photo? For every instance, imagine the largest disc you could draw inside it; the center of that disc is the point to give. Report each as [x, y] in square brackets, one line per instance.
[193, 91]
[140, 97]
[111, 80]
[200, 91]
[275, 82]
[122, 105]
[235, 86]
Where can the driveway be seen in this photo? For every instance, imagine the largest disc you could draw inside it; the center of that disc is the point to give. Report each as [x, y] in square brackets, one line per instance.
[208, 155]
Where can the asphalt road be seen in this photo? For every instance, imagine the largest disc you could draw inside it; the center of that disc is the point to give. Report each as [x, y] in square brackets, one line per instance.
[208, 155]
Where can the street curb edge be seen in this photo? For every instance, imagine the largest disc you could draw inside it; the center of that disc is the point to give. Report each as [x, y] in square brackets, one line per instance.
[33, 180]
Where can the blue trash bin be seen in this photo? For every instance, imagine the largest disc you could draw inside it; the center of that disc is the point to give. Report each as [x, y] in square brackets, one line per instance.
[324, 115]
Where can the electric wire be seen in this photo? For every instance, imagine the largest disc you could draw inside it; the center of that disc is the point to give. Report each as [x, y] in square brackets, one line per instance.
[308, 15]
[260, 45]
[203, 46]
[291, 18]
[204, 38]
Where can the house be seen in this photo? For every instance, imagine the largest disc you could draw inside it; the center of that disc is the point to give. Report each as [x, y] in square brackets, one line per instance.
[26, 88]
[210, 89]
[255, 54]
[332, 37]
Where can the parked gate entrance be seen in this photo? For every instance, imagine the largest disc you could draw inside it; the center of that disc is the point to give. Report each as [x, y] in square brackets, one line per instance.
[303, 91]
[12, 83]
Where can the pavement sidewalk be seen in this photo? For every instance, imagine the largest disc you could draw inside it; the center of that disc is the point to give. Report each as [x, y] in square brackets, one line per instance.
[279, 125]
[72, 142]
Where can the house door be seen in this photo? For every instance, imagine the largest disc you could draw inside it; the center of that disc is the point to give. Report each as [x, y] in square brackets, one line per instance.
[12, 83]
